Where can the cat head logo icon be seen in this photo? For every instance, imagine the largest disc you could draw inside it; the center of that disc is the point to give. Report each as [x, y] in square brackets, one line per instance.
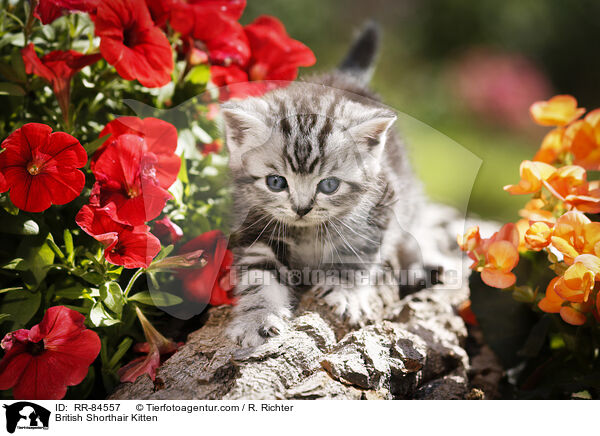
[26, 415]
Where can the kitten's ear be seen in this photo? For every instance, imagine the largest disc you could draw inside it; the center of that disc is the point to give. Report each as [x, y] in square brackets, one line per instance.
[373, 131]
[244, 124]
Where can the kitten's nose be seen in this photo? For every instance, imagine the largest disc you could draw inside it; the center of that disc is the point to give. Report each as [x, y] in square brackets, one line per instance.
[301, 211]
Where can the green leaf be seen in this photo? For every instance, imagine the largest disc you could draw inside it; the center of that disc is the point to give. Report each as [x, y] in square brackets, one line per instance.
[18, 225]
[121, 350]
[155, 298]
[7, 88]
[18, 288]
[74, 292]
[17, 264]
[68, 237]
[112, 296]
[38, 255]
[5, 317]
[93, 277]
[94, 145]
[22, 306]
[18, 66]
[99, 316]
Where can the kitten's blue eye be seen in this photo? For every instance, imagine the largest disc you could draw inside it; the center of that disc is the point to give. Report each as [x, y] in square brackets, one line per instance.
[276, 183]
[328, 185]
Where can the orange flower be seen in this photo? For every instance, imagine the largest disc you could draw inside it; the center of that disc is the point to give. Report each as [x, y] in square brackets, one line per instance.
[575, 234]
[558, 111]
[533, 175]
[552, 302]
[494, 257]
[571, 313]
[576, 283]
[471, 239]
[552, 146]
[533, 211]
[501, 258]
[538, 235]
[582, 138]
[569, 184]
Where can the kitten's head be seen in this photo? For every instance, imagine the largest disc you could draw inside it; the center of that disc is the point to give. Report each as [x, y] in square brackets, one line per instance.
[302, 156]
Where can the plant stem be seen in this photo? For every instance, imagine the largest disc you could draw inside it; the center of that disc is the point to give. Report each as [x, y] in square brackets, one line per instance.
[132, 280]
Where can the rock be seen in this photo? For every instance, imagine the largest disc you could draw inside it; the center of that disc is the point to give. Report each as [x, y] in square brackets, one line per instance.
[413, 348]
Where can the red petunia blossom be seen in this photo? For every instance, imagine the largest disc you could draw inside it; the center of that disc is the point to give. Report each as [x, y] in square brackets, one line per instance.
[132, 247]
[40, 363]
[212, 26]
[274, 57]
[167, 231]
[126, 178]
[157, 349]
[57, 68]
[213, 147]
[132, 43]
[211, 283]
[49, 10]
[40, 167]
[160, 138]
[160, 10]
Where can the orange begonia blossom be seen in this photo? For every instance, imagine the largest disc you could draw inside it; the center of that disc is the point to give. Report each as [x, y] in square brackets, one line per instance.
[533, 174]
[494, 257]
[571, 315]
[575, 234]
[538, 235]
[501, 257]
[552, 302]
[582, 138]
[533, 211]
[470, 240]
[576, 283]
[552, 146]
[558, 111]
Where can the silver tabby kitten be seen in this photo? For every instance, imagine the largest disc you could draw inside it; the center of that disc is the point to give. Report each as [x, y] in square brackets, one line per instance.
[321, 183]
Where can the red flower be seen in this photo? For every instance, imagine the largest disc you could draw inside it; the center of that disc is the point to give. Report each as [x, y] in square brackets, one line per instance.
[57, 68]
[49, 10]
[160, 139]
[40, 167]
[158, 348]
[160, 10]
[167, 231]
[214, 24]
[132, 247]
[211, 283]
[40, 363]
[126, 178]
[274, 56]
[213, 147]
[132, 43]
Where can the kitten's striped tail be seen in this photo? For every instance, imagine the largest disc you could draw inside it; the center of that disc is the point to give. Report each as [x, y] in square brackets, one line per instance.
[360, 59]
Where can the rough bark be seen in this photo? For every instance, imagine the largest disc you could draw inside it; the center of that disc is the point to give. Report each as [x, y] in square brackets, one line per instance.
[414, 348]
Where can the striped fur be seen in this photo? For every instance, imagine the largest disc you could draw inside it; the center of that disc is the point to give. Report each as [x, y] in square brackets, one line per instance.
[329, 126]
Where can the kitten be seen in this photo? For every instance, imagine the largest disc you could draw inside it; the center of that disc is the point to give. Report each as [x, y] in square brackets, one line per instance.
[321, 183]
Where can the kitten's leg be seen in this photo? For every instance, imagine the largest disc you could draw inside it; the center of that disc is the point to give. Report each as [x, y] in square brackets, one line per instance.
[351, 303]
[263, 300]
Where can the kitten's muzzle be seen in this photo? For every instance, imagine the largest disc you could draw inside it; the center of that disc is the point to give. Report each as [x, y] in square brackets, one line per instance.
[301, 211]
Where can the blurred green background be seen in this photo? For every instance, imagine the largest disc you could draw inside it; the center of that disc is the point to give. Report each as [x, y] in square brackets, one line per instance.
[467, 69]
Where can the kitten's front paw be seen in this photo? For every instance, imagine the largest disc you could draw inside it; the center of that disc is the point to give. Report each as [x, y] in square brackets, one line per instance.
[351, 304]
[250, 329]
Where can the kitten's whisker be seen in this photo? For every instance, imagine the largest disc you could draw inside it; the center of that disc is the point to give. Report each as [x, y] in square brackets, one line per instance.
[354, 231]
[263, 230]
[347, 243]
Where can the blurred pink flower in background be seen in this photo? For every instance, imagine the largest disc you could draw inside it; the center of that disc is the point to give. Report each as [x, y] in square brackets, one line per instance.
[499, 86]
